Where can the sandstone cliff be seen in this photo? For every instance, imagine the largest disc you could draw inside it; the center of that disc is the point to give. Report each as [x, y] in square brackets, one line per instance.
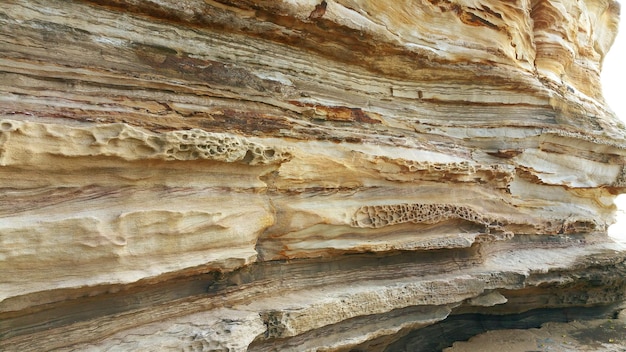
[301, 175]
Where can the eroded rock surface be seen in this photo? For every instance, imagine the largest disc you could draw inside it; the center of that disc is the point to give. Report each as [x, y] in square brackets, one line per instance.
[602, 335]
[300, 175]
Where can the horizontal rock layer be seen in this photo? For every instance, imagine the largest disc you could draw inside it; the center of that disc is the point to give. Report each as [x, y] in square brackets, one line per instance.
[594, 335]
[294, 175]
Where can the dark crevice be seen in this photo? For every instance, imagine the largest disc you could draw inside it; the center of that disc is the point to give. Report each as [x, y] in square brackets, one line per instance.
[464, 326]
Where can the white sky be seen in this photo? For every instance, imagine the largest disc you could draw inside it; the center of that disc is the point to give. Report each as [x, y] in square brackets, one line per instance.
[614, 72]
[613, 81]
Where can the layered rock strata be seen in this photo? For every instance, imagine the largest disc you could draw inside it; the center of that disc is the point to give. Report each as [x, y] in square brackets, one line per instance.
[300, 175]
[602, 335]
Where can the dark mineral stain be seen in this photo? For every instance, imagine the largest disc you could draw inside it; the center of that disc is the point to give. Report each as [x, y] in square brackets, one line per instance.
[319, 11]
[611, 331]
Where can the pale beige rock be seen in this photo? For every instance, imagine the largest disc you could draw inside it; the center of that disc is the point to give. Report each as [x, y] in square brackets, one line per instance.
[605, 335]
[488, 299]
[300, 175]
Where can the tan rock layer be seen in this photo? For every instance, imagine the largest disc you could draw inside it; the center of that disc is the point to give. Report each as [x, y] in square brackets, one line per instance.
[251, 174]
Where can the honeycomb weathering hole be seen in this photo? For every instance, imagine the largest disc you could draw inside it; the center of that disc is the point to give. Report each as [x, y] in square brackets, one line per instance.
[6, 126]
[385, 215]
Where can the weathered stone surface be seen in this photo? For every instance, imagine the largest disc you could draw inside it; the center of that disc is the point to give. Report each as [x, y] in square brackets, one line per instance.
[300, 175]
[605, 335]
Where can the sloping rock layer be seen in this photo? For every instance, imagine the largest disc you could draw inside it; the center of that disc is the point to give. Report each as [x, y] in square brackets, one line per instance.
[258, 175]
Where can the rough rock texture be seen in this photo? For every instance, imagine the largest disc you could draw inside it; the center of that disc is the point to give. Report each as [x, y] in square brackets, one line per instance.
[298, 175]
[604, 335]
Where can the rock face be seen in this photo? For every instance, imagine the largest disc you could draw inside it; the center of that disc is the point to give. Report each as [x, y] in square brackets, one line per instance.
[603, 335]
[231, 175]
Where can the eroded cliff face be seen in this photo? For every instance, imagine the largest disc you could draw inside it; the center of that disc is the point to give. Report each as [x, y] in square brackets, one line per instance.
[300, 175]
